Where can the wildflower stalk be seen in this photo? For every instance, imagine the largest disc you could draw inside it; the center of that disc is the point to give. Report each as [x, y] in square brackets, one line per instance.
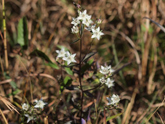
[4, 39]
[82, 94]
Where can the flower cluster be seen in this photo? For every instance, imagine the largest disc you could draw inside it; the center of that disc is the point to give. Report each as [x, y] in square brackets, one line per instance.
[107, 72]
[65, 55]
[85, 19]
[31, 112]
[113, 100]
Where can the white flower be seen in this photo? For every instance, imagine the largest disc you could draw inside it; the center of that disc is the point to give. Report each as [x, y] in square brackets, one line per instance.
[97, 33]
[69, 58]
[87, 21]
[75, 21]
[109, 83]
[110, 70]
[106, 70]
[89, 28]
[83, 15]
[75, 29]
[102, 80]
[113, 100]
[25, 106]
[40, 104]
[61, 53]
[29, 117]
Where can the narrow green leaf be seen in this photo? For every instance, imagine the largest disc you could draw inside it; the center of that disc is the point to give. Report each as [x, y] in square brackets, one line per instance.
[89, 55]
[75, 41]
[20, 37]
[53, 65]
[114, 116]
[43, 56]
[40, 54]
[70, 65]
[25, 28]
[69, 71]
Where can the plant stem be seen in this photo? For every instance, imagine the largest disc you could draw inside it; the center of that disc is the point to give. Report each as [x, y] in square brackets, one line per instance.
[4, 38]
[82, 94]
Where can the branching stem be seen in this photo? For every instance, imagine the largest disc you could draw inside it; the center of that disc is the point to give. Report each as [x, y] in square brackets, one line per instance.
[80, 81]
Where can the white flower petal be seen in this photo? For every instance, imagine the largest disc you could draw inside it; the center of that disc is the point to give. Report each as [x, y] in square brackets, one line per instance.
[75, 29]
[106, 70]
[61, 53]
[97, 33]
[40, 104]
[109, 82]
[69, 58]
[113, 100]
[25, 106]
[75, 21]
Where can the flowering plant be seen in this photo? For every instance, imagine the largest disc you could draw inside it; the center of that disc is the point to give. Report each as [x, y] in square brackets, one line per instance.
[85, 63]
[80, 74]
[31, 112]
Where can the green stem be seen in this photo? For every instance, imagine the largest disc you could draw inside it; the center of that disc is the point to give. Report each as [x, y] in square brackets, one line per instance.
[117, 61]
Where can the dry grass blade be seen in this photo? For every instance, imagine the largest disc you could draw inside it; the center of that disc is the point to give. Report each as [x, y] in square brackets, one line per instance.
[129, 108]
[160, 118]
[151, 85]
[153, 113]
[8, 104]
[3, 117]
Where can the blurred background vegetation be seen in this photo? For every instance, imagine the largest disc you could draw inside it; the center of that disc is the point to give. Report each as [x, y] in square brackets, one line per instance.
[129, 38]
